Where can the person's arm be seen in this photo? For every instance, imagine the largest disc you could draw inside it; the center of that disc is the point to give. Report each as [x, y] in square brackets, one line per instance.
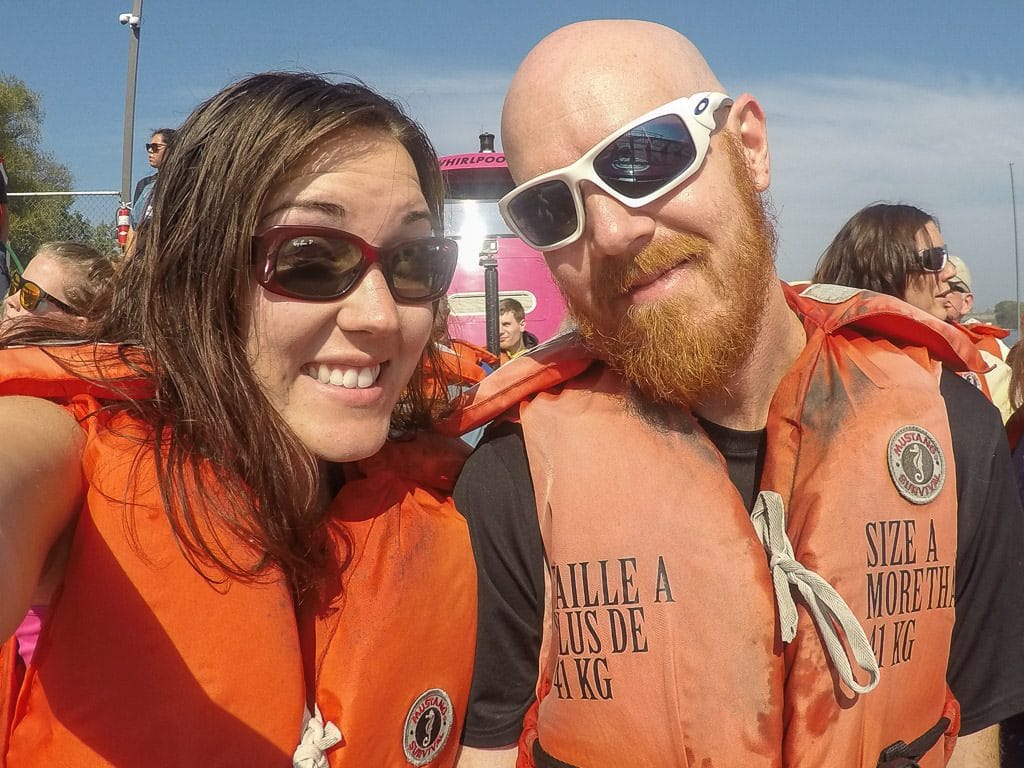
[41, 487]
[977, 750]
[495, 495]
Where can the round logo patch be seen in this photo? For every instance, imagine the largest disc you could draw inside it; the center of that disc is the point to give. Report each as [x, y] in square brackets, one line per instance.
[427, 726]
[916, 464]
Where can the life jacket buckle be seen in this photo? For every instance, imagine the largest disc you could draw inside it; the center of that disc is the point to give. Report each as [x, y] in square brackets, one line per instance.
[895, 756]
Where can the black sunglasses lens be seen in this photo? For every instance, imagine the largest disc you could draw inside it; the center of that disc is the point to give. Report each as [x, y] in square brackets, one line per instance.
[933, 259]
[310, 267]
[420, 270]
[545, 213]
[647, 157]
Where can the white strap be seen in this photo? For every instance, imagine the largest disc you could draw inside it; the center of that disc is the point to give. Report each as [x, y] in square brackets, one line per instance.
[317, 738]
[825, 604]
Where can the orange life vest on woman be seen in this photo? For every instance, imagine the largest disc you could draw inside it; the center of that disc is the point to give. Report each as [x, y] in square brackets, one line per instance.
[657, 648]
[141, 660]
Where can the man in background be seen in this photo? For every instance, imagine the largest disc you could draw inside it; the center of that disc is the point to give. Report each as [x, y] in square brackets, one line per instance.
[987, 338]
[512, 334]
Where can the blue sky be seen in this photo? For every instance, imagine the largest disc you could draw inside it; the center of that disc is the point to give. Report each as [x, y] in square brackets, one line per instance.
[866, 101]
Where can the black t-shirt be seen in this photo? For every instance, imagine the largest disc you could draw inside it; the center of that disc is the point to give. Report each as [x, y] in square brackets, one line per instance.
[985, 669]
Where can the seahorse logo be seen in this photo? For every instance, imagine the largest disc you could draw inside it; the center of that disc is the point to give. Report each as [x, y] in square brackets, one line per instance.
[916, 464]
[427, 726]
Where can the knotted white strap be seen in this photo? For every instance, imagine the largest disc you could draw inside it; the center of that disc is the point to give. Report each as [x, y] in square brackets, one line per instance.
[316, 739]
[824, 603]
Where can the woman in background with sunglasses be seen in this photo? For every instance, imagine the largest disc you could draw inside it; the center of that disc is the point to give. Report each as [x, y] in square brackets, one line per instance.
[62, 277]
[895, 249]
[243, 539]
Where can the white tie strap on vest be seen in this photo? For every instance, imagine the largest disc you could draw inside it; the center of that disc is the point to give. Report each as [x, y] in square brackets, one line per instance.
[317, 738]
[825, 604]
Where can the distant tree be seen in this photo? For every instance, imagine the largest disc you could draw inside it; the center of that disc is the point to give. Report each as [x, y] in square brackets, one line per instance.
[1006, 314]
[34, 220]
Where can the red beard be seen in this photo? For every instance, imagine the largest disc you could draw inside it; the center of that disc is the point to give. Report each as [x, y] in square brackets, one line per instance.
[674, 350]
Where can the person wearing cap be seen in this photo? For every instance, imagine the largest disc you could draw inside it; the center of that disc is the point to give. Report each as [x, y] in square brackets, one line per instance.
[678, 515]
[959, 301]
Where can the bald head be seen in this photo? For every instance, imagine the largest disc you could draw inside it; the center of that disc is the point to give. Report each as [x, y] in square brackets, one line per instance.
[582, 80]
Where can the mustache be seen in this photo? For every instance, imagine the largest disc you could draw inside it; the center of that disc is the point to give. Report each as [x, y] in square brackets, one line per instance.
[619, 276]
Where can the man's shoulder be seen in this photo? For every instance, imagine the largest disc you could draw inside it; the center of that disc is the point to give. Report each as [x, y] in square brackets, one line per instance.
[838, 309]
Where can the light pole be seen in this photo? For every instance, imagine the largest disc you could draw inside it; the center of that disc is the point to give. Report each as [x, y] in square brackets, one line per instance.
[133, 21]
[1016, 254]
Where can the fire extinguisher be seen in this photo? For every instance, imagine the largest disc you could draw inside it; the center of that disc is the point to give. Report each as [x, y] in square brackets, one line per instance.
[124, 221]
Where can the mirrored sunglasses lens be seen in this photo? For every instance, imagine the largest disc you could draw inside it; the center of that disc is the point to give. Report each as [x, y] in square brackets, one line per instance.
[318, 267]
[30, 295]
[420, 270]
[648, 157]
[545, 213]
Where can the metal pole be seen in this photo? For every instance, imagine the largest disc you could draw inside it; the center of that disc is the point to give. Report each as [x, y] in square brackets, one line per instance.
[489, 261]
[134, 22]
[1016, 254]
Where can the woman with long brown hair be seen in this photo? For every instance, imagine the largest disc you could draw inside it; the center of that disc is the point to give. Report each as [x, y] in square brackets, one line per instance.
[223, 505]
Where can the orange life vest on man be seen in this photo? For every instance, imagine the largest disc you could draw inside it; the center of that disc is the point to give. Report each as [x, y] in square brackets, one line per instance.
[141, 660]
[994, 381]
[986, 337]
[657, 648]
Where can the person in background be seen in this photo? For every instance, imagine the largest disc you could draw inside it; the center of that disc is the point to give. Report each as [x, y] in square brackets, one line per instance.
[61, 278]
[513, 337]
[156, 150]
[896, 249]
[226, 499]
[987, 338]
[463, 363]
[678, 514]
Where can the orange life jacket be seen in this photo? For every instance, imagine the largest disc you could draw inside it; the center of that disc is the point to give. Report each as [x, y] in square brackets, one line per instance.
[461, 364]
[655, 649]
[986, 337]
[141, 659]
[395, 654]
[994, 382]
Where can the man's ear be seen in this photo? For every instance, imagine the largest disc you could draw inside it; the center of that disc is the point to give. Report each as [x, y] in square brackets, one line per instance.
[747, 122]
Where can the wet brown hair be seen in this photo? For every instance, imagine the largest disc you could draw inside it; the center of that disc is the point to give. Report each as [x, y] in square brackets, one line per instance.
[182, 297]
[876, 249]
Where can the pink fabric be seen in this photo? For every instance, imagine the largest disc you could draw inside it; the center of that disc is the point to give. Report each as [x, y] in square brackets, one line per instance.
[27, 633]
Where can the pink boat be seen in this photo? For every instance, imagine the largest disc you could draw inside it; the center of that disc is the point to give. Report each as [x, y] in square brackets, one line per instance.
[475, 183]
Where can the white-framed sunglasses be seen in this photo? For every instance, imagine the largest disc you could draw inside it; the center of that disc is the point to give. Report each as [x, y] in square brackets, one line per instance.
[636, 164]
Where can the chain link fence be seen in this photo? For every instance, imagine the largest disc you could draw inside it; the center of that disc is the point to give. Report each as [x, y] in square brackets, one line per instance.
[40, 217]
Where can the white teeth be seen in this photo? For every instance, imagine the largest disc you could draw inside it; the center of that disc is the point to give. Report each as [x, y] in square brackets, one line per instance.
[343, 376]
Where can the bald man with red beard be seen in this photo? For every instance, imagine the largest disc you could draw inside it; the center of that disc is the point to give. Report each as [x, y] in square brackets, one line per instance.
[723, 523]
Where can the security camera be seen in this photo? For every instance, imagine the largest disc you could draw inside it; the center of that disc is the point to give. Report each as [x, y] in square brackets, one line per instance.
[127, 18]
